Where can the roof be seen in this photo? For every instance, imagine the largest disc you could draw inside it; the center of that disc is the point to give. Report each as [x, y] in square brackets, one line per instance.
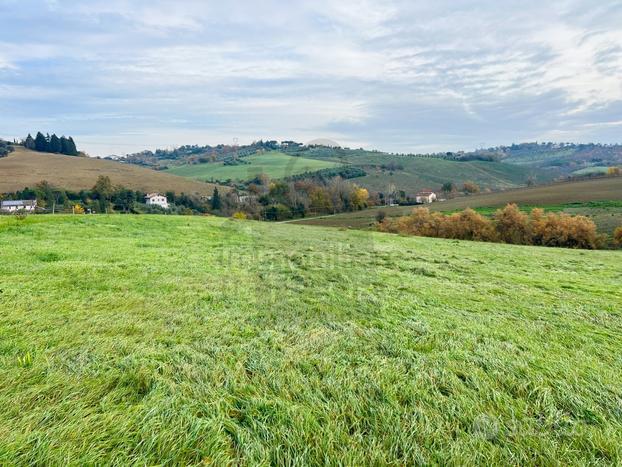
[20, 202]
[152, 195]
[425, 193]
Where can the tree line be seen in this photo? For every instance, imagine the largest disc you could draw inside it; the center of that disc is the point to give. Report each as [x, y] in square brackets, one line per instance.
[105, 197]
[53, 144]
[276, 200]
[508, 225]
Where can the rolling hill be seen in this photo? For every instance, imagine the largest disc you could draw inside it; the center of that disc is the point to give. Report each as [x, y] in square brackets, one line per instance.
[411, 173]
[23, 168]
[191, 341]
[580, 191]
[274, 164]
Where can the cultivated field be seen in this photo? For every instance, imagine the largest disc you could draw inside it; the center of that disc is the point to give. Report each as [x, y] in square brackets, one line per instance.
[583, 191]
[185, 340]
[274, 164]
[411, 174]
[24, 168]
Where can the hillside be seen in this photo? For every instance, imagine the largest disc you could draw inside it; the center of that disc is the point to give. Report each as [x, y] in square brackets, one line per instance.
[23, 168]
[580, 191]
[186, 340]
[411, 173]
[274, 164]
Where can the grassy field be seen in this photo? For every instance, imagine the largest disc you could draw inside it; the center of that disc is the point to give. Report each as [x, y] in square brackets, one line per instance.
[274, 164]
[187, 340]
[411, 174]
[24, 168]
[582, 191]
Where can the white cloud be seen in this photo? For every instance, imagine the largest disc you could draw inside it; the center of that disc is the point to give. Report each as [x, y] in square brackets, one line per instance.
[354, 69]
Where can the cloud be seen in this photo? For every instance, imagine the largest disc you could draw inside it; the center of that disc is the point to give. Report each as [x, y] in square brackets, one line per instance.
[392, 74]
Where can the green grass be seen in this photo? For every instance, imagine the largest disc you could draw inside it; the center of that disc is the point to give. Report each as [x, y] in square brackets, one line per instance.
[412, 173]
[275, 164]
[172, 340]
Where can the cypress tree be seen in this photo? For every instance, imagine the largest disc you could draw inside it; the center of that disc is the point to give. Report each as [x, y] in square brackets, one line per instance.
[54, 145]
[41, 144]
[64, 149]
[71, 147]
[29, 142]
[216, 203]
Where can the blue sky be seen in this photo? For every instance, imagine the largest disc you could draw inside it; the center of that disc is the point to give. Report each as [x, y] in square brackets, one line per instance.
[122, 76]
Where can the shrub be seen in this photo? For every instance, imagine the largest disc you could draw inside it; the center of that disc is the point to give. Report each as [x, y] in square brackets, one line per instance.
[470, 187]
[512, 225]
[617, 237]
[562, 230]
[468, 225]
[240, 215]
[380, 216]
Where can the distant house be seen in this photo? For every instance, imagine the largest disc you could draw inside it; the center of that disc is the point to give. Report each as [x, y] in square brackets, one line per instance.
[156, 199]
[424, 197]
[18, 205]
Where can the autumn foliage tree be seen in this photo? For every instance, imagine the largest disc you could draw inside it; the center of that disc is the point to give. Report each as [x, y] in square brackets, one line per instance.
[617, 237]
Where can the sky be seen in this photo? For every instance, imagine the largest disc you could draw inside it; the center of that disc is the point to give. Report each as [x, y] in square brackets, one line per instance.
[121, 76]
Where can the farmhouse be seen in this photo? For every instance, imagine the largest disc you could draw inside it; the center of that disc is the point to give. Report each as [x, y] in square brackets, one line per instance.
[426, 197]
[156, 199]
[18, 205]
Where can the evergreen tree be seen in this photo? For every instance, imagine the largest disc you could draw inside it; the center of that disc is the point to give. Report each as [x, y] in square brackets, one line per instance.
[54, 145]
[41, 143]
[67, 146]
[29, 142]
[71, 147]
[216, 202]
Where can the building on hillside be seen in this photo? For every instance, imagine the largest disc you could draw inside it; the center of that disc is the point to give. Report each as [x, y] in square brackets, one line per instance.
[425, 197]
[18, 205]
[156, 199]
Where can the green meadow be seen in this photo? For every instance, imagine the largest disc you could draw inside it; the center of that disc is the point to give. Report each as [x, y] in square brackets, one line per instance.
[153, 340]
[274, 164]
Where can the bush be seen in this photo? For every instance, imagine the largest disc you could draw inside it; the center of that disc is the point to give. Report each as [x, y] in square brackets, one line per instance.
[562, 230]
[513, 225]
[380, 216]
[470, 188]
[510, 225]
[239, 215]
[617, 237]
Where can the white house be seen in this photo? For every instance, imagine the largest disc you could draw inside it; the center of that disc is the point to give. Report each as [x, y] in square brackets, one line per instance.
[426, 197]
[18, 205]
[156, 199]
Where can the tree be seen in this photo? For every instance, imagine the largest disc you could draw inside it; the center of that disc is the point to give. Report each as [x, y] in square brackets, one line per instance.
[448, 187]
[41, 143]
[216, 201]
[72, 150]
[29, 142]
[359, 197]
[470, 187]
[54, 144]
[103, 191]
